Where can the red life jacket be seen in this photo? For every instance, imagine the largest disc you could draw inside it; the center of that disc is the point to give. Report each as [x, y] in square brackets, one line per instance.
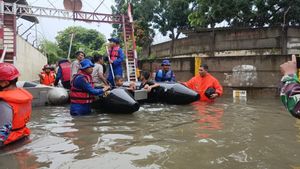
[20, 101]
[48, 79]
[114, 54]
[66, 71]
[78, 95]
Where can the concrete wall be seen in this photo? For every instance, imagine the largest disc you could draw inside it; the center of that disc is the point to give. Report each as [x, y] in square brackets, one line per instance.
[259, 75]
[29, 60]
[246, 59]
[232, 42]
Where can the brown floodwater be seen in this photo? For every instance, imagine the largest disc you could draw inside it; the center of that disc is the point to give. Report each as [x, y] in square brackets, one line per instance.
[225, 134]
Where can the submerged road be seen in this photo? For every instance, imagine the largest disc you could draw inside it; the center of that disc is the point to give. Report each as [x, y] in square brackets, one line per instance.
[225, 134]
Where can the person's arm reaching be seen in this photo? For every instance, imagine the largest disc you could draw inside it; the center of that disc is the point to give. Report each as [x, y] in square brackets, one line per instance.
[290, 87]
[150, 86]
[290, 94]
[190, 84]
[84, 85]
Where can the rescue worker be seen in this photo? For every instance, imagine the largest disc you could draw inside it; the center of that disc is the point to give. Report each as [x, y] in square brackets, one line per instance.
[15, 106]
[207, 86]
[80, 55]
[82, 89]
[63, 73]
[99, 71]
[47, 77]
[116, 58]
[165, 74]
[290, 87]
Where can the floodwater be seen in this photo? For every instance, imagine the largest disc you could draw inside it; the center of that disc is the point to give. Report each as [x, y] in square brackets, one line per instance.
[225, 134]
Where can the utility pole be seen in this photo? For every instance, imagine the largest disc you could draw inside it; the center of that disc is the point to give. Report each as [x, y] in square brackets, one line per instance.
[284, 33]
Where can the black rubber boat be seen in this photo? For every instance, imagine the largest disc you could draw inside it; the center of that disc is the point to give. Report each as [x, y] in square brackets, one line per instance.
[117, 101]
[170, 93]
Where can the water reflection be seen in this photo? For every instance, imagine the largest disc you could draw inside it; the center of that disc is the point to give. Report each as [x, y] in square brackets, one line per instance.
[26, 160]
[16, 156]
[209, 118]
[256, 134]
[81, 136]
[297, 125]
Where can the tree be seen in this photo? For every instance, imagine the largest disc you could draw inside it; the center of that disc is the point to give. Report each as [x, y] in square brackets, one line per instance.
[165, 15]
[171, 15]
[88, 40]
[245, 13]
[142, 16]
[52, 51]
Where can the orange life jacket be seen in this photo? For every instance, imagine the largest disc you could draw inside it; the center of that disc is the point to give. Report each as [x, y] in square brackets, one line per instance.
[114, 54]
[66, 71]
[48, 79]
[78, 95]
[20, 101]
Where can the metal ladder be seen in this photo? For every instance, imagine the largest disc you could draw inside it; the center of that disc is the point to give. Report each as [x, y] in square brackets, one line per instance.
[130, 46]
[9, 38]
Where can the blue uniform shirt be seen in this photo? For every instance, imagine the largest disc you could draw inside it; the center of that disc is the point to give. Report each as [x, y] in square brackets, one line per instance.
[117, 67]
[83, 109]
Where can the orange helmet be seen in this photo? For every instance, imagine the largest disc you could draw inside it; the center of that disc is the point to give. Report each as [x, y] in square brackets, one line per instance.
[8, 71]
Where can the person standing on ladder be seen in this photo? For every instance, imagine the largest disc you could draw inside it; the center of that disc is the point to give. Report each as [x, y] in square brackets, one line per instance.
[116, 57]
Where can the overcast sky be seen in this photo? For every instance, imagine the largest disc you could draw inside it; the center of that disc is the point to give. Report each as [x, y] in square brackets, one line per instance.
[49, 27]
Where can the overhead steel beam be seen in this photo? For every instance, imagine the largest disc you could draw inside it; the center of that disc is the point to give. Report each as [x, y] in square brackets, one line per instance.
[26, 10]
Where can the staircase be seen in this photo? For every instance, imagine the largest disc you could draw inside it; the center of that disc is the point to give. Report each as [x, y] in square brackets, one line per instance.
[9, 38]
[130, 46]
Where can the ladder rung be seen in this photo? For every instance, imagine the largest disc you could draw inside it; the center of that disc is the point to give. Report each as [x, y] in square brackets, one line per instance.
[8, 60]
[8, 37]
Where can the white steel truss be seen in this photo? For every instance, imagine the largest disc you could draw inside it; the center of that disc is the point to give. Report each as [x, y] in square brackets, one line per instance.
[25, 10]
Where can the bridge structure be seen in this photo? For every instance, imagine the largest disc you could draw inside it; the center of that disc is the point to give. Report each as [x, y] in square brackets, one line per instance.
[9, 12]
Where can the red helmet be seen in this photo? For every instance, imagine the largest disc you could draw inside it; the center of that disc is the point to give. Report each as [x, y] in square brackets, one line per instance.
[8, 72]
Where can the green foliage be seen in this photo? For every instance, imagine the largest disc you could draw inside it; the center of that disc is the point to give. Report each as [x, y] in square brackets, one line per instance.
[88, 40]
[170, 15]
[166, 16]
[245, 13]
[52, 51]
[142, 15]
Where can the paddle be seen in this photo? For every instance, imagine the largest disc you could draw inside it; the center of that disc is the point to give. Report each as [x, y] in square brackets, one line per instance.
[110, 65]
